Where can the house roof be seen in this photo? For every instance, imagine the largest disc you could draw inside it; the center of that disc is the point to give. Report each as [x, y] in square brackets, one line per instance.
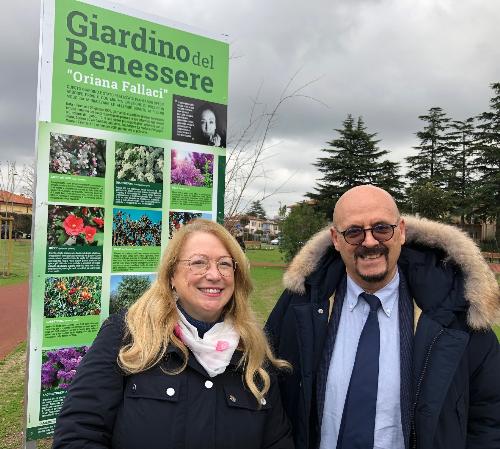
[9, 197]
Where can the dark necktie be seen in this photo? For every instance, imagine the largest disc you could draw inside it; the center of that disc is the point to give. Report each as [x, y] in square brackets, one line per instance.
[358, 419]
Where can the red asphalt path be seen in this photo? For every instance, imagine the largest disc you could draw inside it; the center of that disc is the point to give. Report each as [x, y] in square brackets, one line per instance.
[13, 316]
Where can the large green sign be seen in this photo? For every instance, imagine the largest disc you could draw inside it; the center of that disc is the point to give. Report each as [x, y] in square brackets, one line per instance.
[124, 158]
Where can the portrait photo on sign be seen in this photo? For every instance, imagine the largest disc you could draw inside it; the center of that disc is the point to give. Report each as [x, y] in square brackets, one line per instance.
[76, 155]
[199, 122]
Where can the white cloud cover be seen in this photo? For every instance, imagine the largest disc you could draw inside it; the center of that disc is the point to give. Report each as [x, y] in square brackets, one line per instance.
[387, 60]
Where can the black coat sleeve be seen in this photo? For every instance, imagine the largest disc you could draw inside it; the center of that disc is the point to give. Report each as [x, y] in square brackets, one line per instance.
[273, 327]
[87, 416]
[483, 429]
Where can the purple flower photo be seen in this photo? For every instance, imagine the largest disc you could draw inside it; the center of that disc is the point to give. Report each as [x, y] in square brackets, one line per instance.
[192, 169]
[59, 366]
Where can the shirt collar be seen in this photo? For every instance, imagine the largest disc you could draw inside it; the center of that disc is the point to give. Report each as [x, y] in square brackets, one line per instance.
[387, 295]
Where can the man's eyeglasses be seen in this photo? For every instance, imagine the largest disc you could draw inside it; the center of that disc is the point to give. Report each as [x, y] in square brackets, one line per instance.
[380, 232]
[200, 264]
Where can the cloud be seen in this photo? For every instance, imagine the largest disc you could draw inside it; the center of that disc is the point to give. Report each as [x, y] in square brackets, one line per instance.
[386, 60]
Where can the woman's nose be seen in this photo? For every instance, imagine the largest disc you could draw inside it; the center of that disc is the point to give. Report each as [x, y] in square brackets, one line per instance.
[213, 271]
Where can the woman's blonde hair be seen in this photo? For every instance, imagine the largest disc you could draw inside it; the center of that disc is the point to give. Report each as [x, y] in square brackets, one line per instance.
[152, 318]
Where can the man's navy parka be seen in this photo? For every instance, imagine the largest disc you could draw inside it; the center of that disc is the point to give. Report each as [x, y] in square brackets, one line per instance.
[454, 384]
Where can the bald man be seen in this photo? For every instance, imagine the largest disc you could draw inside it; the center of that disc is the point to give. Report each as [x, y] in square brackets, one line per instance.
[387, 323]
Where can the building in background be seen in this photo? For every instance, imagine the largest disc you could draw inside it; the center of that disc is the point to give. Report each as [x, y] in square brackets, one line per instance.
[13, 203]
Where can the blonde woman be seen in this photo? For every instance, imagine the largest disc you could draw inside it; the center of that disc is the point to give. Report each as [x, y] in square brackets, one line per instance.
[186, 367]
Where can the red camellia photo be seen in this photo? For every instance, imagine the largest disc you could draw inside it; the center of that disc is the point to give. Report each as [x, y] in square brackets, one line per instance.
[75, 225]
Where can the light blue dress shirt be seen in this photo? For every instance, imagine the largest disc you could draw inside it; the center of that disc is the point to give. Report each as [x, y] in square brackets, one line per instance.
[388, 429]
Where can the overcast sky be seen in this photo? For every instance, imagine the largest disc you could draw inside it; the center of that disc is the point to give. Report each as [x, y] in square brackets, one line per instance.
[386, 60]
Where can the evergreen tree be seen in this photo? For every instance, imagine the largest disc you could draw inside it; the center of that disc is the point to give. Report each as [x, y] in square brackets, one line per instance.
[459, 176]
[352, 159]
[298, 227]
[388, 179]
[430, 201]
[488, 161]
[430, 162]
[256, 210]
[129, 290]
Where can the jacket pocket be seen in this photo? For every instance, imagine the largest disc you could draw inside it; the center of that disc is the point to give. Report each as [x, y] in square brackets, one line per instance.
[238, 397]
[162, 388]
[153, 412]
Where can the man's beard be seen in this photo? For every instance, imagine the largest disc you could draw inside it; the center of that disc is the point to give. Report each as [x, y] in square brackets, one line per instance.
[376, 250]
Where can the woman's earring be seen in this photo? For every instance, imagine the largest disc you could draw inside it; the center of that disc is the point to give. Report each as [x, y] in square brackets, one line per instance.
[174, 294]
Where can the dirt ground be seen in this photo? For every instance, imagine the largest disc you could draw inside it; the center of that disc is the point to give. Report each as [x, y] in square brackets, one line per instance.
[13, 316]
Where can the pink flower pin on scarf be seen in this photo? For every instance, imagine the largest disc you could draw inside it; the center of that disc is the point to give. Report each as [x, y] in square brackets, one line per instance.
[222, 345]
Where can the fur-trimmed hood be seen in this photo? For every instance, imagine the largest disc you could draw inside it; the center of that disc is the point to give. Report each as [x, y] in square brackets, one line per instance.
[481, 288]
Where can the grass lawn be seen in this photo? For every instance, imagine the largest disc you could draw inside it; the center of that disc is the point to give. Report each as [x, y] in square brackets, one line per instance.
[11, 398]
[267, 289]
[271, 255]
[20, 267]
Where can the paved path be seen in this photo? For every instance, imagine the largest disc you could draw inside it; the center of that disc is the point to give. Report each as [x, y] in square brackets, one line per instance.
[13, 316]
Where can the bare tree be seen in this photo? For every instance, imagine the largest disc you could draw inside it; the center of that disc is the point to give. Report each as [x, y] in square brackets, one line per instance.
[10, 179]
[250, 149]
[28, 187]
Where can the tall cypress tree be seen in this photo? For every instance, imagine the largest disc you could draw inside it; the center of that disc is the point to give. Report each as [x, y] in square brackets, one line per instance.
[460, 173]
[352, 159]
[430, 162]
[256, 210]
[488, 161]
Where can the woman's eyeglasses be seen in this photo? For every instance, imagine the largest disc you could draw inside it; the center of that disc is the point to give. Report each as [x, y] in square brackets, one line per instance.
[200, 264]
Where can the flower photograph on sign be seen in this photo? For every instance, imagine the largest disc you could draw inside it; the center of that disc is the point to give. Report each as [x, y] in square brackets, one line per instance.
[72, 296]
[75, 225]
[192, 168]
[134, 227]
[76, 155]
[59, 367]
[138, 163]
[179, 219]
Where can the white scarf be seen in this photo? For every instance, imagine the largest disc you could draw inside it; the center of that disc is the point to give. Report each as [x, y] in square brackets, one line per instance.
[215, 349]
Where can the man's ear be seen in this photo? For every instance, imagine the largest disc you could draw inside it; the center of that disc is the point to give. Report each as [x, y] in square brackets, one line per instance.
[402, 230]
[335, 237]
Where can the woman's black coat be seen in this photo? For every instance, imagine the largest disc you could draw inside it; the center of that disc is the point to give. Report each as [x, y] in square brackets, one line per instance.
[154, 410]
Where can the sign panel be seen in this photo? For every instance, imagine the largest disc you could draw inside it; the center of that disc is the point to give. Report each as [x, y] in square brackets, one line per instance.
[132, 114]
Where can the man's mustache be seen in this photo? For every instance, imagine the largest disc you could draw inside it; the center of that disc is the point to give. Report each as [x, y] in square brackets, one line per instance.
[363, 251]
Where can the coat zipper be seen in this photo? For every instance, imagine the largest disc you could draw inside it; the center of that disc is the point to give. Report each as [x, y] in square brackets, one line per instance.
[413, 435]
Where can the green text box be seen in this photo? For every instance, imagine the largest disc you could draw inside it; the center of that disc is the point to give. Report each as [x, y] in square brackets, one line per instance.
[141, 259]
[76, 189]
[70, 331]
[76, 259]
[190, 198]
[138, 194]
